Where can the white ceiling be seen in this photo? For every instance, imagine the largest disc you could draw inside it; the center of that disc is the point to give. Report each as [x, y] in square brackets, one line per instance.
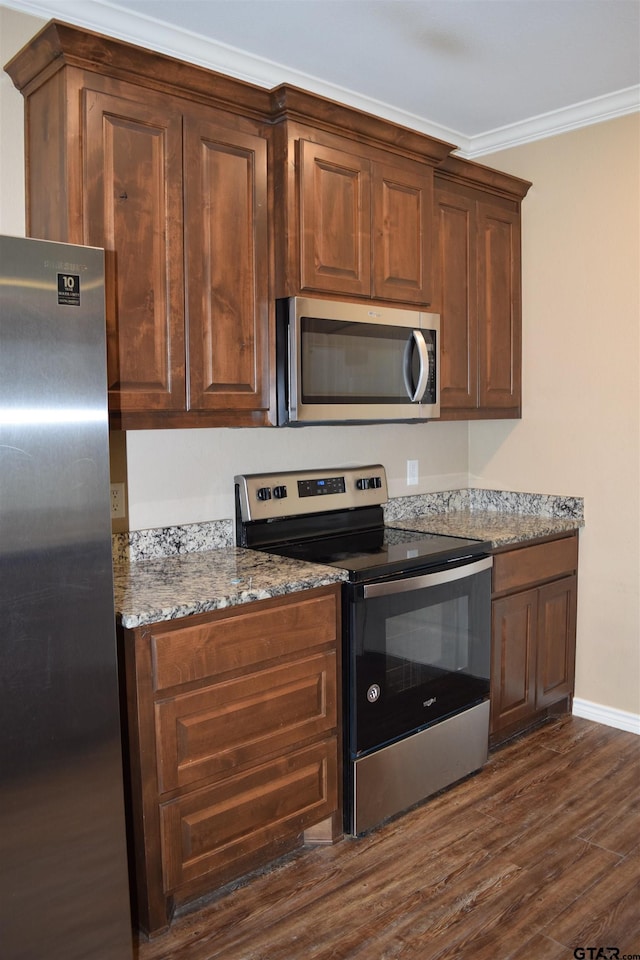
[483, 74]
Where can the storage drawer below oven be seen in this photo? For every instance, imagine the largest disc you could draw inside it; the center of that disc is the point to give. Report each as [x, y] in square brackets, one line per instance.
[398, 776]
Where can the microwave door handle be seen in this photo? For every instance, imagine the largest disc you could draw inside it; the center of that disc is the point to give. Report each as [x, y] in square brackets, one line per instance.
[417, 340]
[388, 588]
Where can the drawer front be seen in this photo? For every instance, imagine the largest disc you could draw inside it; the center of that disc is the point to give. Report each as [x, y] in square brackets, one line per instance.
[529, 565]
[242, 639]
[213, 732]
[210, 829]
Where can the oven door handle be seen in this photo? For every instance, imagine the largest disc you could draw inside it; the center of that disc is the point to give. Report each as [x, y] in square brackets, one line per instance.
[390, 587]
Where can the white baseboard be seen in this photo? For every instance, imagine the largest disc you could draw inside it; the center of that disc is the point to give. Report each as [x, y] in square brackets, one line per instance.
[607, 715]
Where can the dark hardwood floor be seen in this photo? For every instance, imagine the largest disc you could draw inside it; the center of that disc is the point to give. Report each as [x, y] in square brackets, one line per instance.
[533, 857]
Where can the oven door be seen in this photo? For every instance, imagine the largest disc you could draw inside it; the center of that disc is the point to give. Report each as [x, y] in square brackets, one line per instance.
[419, 651]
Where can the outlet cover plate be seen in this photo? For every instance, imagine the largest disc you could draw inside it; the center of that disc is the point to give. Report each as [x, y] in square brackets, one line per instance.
[412, 473]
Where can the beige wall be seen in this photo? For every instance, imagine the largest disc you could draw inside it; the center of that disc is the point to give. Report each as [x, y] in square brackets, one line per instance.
[580, 431]
[183, 476]
[15, 30]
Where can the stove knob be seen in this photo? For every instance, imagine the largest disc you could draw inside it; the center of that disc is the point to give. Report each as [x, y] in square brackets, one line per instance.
[375, 482]
[362, 483]
[264, 493]
[280, 492]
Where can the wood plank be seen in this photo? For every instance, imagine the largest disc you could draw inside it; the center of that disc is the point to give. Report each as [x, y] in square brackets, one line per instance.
[607, 915]
[508, 863]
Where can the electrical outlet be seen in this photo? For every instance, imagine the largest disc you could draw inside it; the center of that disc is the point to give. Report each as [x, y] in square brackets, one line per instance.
[118, 510]
[412, 473]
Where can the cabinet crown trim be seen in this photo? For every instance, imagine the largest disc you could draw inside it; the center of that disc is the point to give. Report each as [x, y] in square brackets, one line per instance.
[292, 103]
[60, 44]
[476, 175]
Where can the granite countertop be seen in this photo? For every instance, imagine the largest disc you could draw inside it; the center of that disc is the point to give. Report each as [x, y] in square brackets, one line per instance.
[499, 528]
[498, 516]
[166, 588]
[173, 572]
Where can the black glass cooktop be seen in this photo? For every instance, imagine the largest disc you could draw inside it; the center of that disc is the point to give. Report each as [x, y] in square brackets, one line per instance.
[381, 552]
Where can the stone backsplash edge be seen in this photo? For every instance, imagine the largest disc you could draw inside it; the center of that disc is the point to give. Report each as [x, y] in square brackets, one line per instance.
[475, 500]
[215, 534]
[172, 541]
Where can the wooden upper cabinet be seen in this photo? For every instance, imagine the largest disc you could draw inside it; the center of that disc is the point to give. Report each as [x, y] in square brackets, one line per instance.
[227, 268]
[456, 270]
[127, 150]
[364, 226]
[478, 295]
[335, 220]
[499, 312]
[402, 233]
[353, 213]
[178, 199]
[133, 208]
[212, 197]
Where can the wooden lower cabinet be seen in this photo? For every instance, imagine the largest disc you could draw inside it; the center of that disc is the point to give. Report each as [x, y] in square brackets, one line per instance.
[234, 752]
[534, 634]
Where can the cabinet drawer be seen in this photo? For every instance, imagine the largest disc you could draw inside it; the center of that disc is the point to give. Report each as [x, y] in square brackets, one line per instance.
[241, 640]
[210, 829]
[528, 565]
[215, 731]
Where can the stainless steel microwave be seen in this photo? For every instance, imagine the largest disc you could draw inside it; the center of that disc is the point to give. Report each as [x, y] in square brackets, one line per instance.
[340, 362]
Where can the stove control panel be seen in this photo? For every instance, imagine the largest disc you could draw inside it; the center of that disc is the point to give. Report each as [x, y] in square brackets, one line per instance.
[321, 487]
[266, 496]
[369, 483]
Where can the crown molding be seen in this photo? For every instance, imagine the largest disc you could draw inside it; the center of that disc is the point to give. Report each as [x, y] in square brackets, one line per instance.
[110, 19]
[551, 124]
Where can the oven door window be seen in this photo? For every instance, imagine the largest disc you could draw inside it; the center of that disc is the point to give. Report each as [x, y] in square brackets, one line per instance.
[417, 657]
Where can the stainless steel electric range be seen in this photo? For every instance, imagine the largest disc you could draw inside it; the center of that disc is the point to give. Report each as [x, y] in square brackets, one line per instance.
[416, 631]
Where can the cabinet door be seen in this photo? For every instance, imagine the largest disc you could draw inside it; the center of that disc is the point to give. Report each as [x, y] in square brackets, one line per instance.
[212, 833]
[401, 233]
[455, 299]
[556, 640]
[227, 266]
[335, 220]
[211, 732]
[499, 317]
[133, 208]
[513, 666]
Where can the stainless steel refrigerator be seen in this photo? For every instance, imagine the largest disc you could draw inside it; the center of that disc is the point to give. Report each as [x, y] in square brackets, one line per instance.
[64, 892]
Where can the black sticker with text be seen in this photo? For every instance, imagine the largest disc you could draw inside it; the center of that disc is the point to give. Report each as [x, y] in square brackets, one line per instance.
[69, 289]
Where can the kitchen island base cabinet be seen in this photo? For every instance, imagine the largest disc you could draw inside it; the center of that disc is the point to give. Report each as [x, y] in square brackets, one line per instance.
[534, 634]
[234, 756]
